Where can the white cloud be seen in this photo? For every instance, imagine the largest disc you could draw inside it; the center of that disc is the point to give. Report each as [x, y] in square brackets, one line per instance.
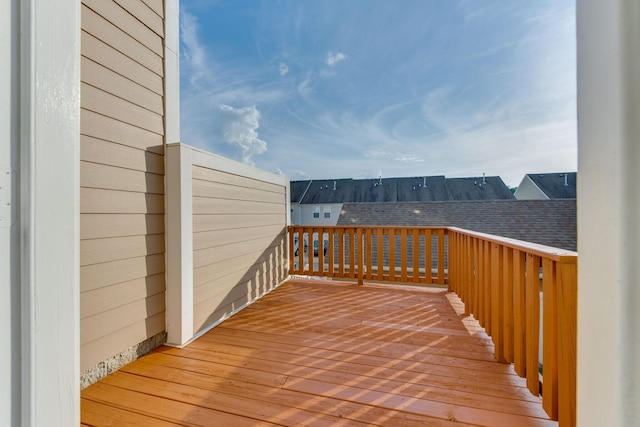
[409, 159]
[240, 128]
[334, 58]
[283, 68]
[193, 53]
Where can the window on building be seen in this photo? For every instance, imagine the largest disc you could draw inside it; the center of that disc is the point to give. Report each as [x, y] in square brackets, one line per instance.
[326, 211]
[316, 212]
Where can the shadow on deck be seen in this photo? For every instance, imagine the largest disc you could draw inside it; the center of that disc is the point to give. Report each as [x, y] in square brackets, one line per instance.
[325, 353]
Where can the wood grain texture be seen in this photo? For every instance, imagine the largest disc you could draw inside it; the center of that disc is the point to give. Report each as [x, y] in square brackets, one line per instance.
[287, 361]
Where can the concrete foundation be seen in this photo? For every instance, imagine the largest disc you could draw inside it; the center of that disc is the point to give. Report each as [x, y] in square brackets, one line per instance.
[102, 369]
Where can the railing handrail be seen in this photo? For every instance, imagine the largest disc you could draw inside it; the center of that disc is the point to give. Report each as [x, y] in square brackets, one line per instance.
[556, 254]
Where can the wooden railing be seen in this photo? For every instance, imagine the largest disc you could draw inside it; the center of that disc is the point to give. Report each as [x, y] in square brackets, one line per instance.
[502, 281]
[397, 254]
[506, 284]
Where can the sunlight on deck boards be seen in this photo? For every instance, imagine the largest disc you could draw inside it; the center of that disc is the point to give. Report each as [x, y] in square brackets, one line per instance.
[325, 353]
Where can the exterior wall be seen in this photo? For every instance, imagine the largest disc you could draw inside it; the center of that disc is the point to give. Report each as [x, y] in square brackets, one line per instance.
[608, 367]
[528, 190]
[305, 214]
[239, 242]
[122, 177]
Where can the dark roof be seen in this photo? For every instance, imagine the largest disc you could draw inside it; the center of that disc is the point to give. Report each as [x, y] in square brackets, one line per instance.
[553, 184]
[547, 222]
[297, 189]
[430, 188]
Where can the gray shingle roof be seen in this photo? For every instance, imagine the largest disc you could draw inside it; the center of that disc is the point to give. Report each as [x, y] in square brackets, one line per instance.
[431, 188]
[552, 184]
[547, 222]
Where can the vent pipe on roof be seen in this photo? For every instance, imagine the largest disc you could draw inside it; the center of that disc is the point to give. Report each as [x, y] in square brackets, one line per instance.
[484, 180]
[424, 182]
[380, 180]
[566, 179]
[334, 185]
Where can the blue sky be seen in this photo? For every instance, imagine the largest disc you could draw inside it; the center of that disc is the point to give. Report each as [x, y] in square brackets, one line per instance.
[362, 88]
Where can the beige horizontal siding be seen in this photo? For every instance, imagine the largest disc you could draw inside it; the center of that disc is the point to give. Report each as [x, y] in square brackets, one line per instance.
[156, 5]
[113, 296]
[239, 234]
[202, 223]
[207, 189]
[211, 282]
[229, 251]
[121, 178]
[104, 30]
[105, 274]
[115, 178]
[100, 52]
[96, 251]
[207, 239]
[144, 14]
[112, 130]
[109, 345]
[128, 23]
[97, 226]
[204, 174]
[103, 78]
[101, 324]
[209, 206]
[99, 151]
[108, 105]
[94, 200]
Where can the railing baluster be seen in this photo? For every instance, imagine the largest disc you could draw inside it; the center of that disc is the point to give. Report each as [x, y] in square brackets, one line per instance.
[415, 239]
[497, 302]
[368, 241]
[330, 254]
[532, 334]
[519, 317]
[428, 260]
[549, 339]
[341, 252]
[392, 254]
[441, 256]
[507, 301]
[403, 255]
[487, 286]
[380, 260]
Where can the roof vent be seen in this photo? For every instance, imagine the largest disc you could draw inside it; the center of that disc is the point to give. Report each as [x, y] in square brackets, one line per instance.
[566, 179]
[334, 185]
[484, 180]
[424, 182]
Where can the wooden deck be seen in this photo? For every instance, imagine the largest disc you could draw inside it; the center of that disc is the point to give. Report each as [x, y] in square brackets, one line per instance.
[325, 354]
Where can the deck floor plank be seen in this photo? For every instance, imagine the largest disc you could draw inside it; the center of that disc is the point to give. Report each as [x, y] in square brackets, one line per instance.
[325, 354]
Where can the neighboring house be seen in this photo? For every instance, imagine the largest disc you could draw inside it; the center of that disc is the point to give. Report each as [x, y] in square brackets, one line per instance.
[545, 186]
[319, 202]
[547, 222]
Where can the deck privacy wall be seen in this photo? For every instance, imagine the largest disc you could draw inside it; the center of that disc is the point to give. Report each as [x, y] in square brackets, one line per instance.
[239, 238]
[122, 176]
